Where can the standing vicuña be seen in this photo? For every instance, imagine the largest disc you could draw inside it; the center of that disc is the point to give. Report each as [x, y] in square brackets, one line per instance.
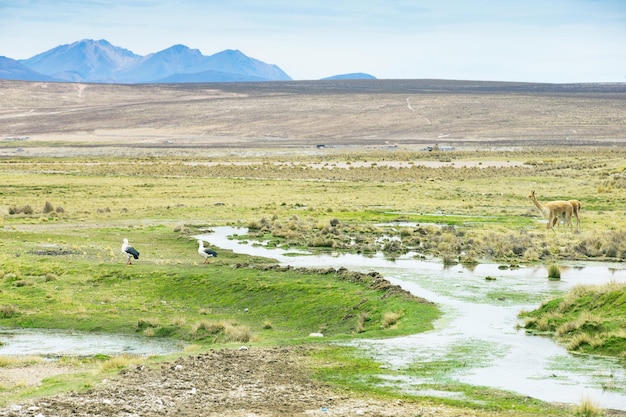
[553, 210]
[576, 206]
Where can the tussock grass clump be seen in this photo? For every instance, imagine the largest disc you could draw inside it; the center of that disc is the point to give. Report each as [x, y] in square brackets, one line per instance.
[119, 362]
[554, 271]
[8, 311]
[27, 209]
[48, 208]
[10, 361]
[362, 318]
[241, 334]
[179, 322]
[143, 323]
[10, 276]
[390, 319]
[588, 319]
[51, 277]
[208, 327]
[588, 408]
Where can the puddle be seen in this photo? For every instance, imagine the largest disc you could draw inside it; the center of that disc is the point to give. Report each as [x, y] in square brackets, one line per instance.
[480, 316]
[46, 342]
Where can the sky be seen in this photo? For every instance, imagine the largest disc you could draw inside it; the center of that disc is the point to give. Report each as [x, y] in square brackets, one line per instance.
[554, 41]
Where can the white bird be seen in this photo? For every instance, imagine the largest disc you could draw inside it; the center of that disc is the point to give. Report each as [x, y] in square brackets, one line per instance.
[129, 251]
[205, 252]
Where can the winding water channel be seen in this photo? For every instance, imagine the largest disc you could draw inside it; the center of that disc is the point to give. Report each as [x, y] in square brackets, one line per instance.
[481, 314]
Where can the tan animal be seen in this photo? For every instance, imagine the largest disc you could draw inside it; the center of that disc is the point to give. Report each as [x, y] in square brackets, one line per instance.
[576, 206]
[553, 210]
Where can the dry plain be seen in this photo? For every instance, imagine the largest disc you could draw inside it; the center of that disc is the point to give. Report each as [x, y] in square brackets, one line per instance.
[339, 125]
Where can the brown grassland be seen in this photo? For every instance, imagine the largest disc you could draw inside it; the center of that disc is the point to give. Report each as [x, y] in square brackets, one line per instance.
[306, 164]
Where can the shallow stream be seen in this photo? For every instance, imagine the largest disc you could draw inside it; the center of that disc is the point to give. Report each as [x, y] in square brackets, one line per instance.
[480, 317]
[53, 342]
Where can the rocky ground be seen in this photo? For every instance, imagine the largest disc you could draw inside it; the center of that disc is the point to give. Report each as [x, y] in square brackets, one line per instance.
[240, 383]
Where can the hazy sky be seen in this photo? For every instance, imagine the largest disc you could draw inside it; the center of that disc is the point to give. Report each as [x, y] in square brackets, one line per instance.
[508, 40]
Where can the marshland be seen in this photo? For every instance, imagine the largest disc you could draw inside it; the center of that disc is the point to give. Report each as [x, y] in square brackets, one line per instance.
[422, 170]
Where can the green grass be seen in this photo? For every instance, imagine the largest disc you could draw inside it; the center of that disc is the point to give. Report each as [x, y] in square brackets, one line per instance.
[95, 291]
[64, 270]
[588, 319]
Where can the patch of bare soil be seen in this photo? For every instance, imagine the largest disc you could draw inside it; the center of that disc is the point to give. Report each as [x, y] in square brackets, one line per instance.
[238, 383]
[30, 374]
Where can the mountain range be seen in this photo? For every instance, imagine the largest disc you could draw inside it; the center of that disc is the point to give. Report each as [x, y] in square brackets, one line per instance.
[101, 62]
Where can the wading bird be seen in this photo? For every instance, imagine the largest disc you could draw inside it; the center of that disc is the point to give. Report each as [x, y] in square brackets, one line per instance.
[129, 251]
[206, 253]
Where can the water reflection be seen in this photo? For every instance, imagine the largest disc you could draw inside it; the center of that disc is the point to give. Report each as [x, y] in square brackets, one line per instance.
[480, 316]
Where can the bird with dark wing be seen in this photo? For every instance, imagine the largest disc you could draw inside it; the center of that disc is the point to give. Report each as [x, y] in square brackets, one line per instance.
[206, 253]
[129, 251]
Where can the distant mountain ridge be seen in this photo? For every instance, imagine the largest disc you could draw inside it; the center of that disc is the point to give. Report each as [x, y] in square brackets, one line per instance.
[351, 76]
[101, 62]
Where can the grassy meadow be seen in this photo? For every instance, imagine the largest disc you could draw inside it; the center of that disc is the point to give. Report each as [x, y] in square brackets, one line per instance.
[66, 204]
